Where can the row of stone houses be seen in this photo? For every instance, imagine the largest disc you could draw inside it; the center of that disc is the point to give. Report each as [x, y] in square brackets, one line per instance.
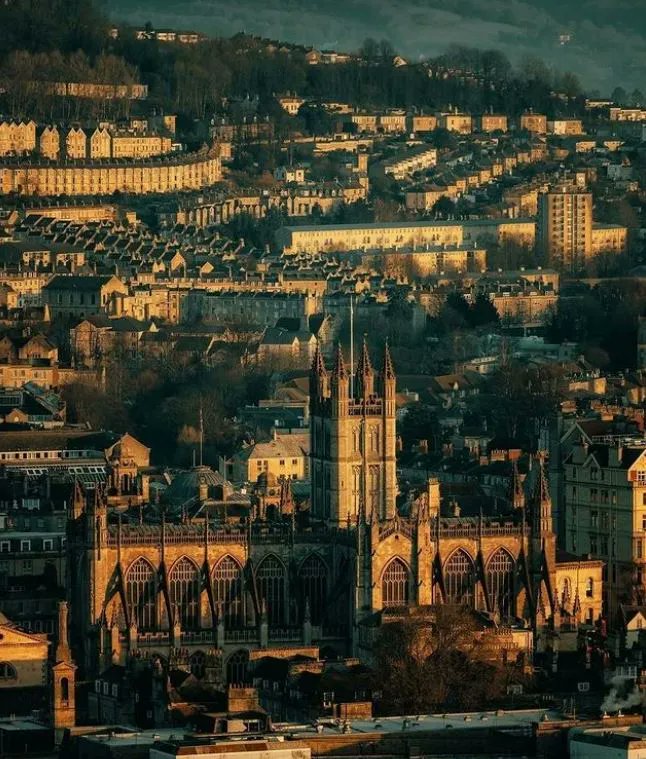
[102, 141]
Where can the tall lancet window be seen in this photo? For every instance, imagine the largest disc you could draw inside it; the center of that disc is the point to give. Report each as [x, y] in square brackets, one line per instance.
[228, 591]
[313, 577]
[500, 581]
[184, 582]
[140, 594]
[271, 587]
[459, 578]
[395, 584]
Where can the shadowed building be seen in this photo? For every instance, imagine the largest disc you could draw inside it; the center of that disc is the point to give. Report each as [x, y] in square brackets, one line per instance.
[195, 587]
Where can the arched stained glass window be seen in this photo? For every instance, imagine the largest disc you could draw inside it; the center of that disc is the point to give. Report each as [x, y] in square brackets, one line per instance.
[228, 591]
[566, 598]
[395, 584]
[271, 587]
[313, 576]
[500, 581]
[140, 594]
[184, 591]
[458, 578]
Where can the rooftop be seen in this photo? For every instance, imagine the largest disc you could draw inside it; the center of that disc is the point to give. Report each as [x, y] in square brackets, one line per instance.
[70, 282]
[406, 224]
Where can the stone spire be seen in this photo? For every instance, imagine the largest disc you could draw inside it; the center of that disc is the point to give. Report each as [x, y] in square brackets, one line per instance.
[516, 495]
[318, 365]
[340, 383]
[542, 484]
[339, 371]
[318, 376]
[388, 370]
[388, 379]
[542, 502]
[365, 373]
[63, 645]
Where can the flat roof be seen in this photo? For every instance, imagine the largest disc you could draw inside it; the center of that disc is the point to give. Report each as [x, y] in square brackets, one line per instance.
[426, 722]
[197, 746]
[633, 736]
[371, 225]
[21, 725]
[404, 225]
[497, 222]
[126, 736]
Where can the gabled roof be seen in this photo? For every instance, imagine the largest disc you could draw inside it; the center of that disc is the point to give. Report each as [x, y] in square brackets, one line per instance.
[13, 634]
[591, 428]
[73, 283]
[629, 612]
[287, 446]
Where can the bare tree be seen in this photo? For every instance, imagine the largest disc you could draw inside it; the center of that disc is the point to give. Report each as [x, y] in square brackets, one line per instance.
[445, 658]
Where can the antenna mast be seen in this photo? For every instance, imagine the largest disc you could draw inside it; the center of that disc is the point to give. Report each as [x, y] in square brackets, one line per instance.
[352, 346]
[201, 436]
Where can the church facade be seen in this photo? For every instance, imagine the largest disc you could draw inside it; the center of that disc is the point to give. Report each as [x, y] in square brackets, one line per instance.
[211, 595]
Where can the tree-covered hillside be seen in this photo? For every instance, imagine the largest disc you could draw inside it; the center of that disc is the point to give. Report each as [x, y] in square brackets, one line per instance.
[68, 40]
[607, 44]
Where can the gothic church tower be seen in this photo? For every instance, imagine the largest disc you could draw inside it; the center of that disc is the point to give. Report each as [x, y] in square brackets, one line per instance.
[353, 443]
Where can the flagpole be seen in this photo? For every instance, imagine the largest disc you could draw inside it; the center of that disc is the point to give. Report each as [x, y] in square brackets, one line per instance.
[201, 436]
[351, 346]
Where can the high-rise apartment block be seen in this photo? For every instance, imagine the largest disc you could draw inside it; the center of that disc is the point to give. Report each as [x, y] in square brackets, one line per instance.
[564, 229]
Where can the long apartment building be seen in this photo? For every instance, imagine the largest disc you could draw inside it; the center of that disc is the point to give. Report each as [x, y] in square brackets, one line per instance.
[417, 159]
[627, 114]
[191, 171]
[396, 235]
[384, 236]
[203, 209]
[97, 90]
[76, 142]
[107, 143]
[49, 376]
[428, 261]
[525, 303]
[262, 308]
[390, 122]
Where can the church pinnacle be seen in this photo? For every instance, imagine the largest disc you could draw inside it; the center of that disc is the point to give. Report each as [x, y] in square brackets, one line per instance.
[365, 373]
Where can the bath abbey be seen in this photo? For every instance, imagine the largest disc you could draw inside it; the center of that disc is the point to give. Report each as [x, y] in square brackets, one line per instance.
[210, 582]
